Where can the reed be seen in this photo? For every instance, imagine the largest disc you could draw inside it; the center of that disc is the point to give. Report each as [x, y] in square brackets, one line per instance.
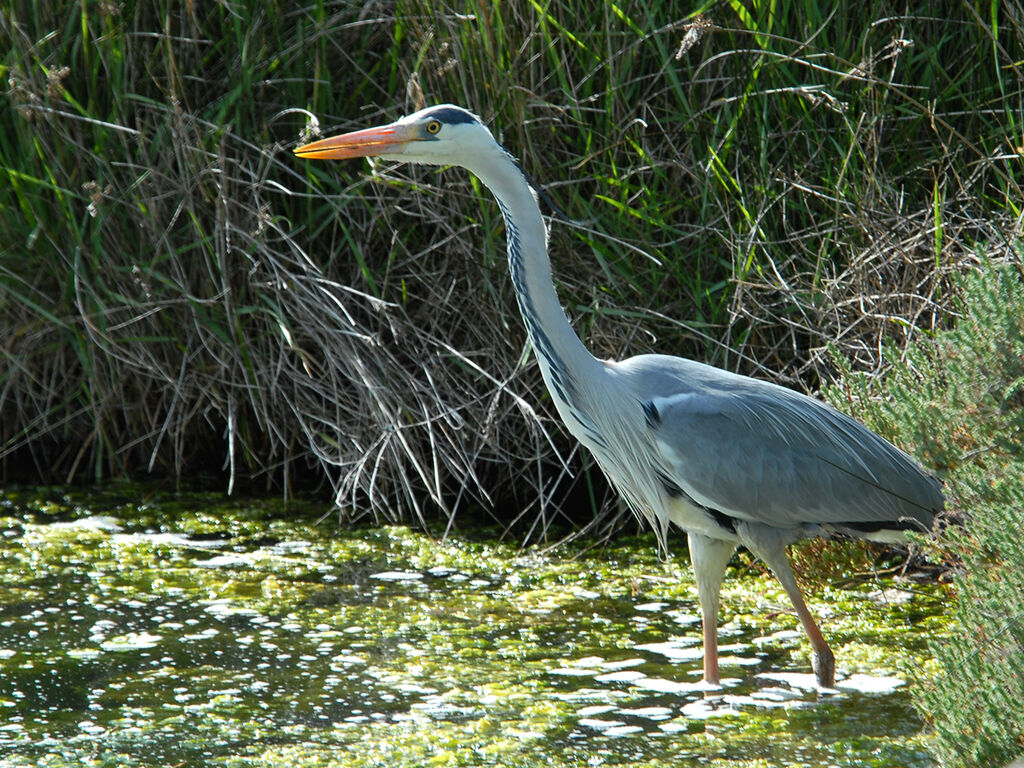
[750, 187]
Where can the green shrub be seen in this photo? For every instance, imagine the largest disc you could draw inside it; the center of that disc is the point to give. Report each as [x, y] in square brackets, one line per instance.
[959, 403]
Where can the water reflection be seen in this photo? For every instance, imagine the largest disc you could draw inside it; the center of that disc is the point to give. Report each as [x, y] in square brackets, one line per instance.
[177, 641]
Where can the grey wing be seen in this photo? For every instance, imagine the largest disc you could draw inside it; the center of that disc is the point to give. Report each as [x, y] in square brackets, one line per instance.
[774, 456]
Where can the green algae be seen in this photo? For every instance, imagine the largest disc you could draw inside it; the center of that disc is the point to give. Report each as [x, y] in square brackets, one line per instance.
[197, 631]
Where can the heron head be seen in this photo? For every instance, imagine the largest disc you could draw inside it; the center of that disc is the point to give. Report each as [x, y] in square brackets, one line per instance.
[441, 135]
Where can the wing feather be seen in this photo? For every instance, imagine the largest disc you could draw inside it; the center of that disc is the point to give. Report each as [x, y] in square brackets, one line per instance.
[759, 452]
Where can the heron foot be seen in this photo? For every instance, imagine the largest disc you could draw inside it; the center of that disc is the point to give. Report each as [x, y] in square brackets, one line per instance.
[824, 665]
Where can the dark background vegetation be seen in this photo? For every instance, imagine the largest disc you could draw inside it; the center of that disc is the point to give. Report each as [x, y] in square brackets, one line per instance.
[772, 187]
[181, 295]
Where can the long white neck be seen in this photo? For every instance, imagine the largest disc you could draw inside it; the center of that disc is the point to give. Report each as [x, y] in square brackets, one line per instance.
[565, 362]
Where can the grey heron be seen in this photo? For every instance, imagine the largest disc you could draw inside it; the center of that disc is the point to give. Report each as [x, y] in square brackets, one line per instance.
[730, 459]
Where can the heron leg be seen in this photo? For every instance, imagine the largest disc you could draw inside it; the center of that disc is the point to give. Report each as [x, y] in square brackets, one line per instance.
[770, 546]
[709, 558]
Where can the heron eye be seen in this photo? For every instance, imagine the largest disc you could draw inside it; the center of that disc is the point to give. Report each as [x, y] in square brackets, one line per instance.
[433, 127]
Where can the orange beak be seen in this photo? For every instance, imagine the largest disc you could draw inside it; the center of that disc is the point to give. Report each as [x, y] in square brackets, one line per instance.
[384, 140]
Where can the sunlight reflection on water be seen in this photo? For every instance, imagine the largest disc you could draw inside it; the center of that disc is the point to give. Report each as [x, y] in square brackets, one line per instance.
[154, 641]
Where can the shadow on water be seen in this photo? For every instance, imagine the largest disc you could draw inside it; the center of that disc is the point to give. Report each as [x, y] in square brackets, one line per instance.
[199, 632]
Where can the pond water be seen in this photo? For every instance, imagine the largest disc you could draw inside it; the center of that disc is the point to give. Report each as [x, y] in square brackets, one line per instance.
[194, 631]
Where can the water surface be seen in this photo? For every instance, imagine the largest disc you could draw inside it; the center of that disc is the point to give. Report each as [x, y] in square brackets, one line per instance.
[194, 631]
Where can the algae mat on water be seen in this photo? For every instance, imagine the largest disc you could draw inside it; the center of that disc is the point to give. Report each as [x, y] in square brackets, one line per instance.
[194, 631]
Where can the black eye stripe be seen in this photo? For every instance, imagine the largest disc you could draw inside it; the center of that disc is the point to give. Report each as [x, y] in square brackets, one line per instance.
[452, 115]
